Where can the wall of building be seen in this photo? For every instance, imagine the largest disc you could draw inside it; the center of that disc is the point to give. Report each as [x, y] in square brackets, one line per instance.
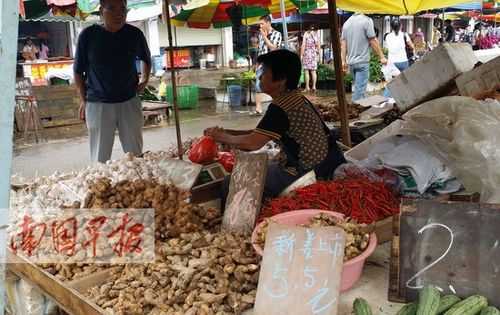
[185, 37]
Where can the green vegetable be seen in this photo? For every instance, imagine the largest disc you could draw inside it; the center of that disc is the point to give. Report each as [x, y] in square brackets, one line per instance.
[148, 94]
[348, 78]
[490, 310]
[428, 301]
[447, 302]
[361, 307]
[408, 309]
[376, 74]
[325, 72]
[470, 306]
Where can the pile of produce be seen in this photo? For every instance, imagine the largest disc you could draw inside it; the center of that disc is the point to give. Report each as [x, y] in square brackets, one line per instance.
[68, 272]
[197, 273]
[63, 189]
[358, 198]
[357, 235]
[431, 302]
[329, 110]
[173, 213]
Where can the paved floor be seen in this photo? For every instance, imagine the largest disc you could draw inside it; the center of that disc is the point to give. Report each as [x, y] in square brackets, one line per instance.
[64, 154]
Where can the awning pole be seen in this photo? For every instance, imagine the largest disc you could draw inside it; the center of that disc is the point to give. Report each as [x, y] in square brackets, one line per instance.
[339, 75]
[283, 22]
[166, 18]
[9, 23]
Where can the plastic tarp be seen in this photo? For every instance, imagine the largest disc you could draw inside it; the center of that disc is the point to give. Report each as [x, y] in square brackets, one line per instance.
[396, 7]
[463, 132]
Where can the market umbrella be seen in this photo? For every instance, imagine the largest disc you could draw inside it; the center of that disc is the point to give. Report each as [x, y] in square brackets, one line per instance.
[400, 7]
[215, 13]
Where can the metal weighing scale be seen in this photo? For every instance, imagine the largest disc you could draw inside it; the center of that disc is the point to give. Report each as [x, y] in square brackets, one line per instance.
[208, 184]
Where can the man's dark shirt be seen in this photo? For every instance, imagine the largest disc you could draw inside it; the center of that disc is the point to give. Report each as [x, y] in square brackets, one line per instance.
[107, 61]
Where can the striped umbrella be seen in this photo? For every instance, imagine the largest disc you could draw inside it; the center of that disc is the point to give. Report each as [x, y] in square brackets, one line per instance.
[214, 14]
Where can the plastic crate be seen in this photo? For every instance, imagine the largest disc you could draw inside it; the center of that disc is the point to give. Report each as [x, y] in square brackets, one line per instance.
[187, 96]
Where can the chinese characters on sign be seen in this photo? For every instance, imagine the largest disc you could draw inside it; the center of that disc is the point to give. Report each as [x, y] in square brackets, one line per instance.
[82, 235]
[245, 192]
[301, 271]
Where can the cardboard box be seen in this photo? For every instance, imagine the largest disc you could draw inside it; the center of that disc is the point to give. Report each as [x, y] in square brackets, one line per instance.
[483, 79]
[433, 76]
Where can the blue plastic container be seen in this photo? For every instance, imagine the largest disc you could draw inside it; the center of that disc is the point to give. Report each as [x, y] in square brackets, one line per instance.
[235, 93]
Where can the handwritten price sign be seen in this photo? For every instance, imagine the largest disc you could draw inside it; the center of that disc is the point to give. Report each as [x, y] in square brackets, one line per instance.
[454, 246]
[301, 271]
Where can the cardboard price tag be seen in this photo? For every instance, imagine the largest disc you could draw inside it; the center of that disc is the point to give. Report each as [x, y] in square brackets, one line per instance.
[301, 271]
[245, 192]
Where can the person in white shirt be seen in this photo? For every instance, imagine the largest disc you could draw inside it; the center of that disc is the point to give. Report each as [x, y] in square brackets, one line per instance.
[30, 50]
[396, 42]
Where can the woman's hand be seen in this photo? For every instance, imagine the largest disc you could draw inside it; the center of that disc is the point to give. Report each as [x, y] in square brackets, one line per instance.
[214, 132]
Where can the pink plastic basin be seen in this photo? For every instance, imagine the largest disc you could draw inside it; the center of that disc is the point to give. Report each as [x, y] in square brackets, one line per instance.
[352, 269]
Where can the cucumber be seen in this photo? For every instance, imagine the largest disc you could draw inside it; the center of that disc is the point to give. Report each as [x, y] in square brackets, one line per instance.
[428, 301]
[408, 309]
[361, 307]
[490, 310]
[447, 302]
[470, 306]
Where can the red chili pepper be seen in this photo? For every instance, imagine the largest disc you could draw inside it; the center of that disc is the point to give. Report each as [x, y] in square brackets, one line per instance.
[357, 197]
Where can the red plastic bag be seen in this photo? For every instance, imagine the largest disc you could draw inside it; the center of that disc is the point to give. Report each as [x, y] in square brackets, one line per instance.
[226, 159]
[203, 151]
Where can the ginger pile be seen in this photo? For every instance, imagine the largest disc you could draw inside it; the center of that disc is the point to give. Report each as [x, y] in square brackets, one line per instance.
[68, 272]
[173, 213]
[197, 273]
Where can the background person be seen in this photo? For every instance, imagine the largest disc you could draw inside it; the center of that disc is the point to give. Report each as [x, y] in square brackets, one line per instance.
[30, 50]
[269, 40]
[108, 83]
[358, 34]
[44, 51]
[396, 43]
[309, 53]
[449, 33]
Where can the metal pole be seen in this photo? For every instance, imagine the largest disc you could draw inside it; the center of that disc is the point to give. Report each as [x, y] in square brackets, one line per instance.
[9, 23]
[166, 18]
[283, 22]
[339, 75]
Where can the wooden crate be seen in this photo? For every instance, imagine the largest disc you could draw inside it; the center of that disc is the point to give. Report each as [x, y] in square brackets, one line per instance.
[66, 297]
[57, 105]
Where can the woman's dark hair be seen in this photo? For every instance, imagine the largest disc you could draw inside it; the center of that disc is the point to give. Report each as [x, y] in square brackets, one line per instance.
[285, 65]
[396, 26]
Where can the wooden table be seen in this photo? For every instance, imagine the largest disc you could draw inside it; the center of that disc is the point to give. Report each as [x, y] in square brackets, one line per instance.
[152, 108]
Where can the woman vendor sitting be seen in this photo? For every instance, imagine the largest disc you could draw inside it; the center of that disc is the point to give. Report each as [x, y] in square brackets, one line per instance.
[291, 121]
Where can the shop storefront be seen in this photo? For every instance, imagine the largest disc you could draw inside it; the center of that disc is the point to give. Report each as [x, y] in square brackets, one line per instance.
[50, 50]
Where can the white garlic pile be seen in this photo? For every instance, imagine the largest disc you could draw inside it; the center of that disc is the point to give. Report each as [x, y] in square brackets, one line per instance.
[65, 188]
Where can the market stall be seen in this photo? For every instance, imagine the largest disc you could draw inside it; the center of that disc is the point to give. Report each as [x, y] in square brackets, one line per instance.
[213, 262]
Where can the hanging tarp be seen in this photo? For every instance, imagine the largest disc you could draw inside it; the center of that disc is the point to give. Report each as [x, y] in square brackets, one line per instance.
[396, 7]
[88, 6]
[35, 8]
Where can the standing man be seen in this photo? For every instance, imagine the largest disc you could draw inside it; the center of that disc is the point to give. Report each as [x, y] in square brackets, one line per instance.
[269, 40]
[108, 83]
[358, 34]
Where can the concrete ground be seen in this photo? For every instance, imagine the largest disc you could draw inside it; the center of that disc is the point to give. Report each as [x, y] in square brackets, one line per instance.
[67, 149]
